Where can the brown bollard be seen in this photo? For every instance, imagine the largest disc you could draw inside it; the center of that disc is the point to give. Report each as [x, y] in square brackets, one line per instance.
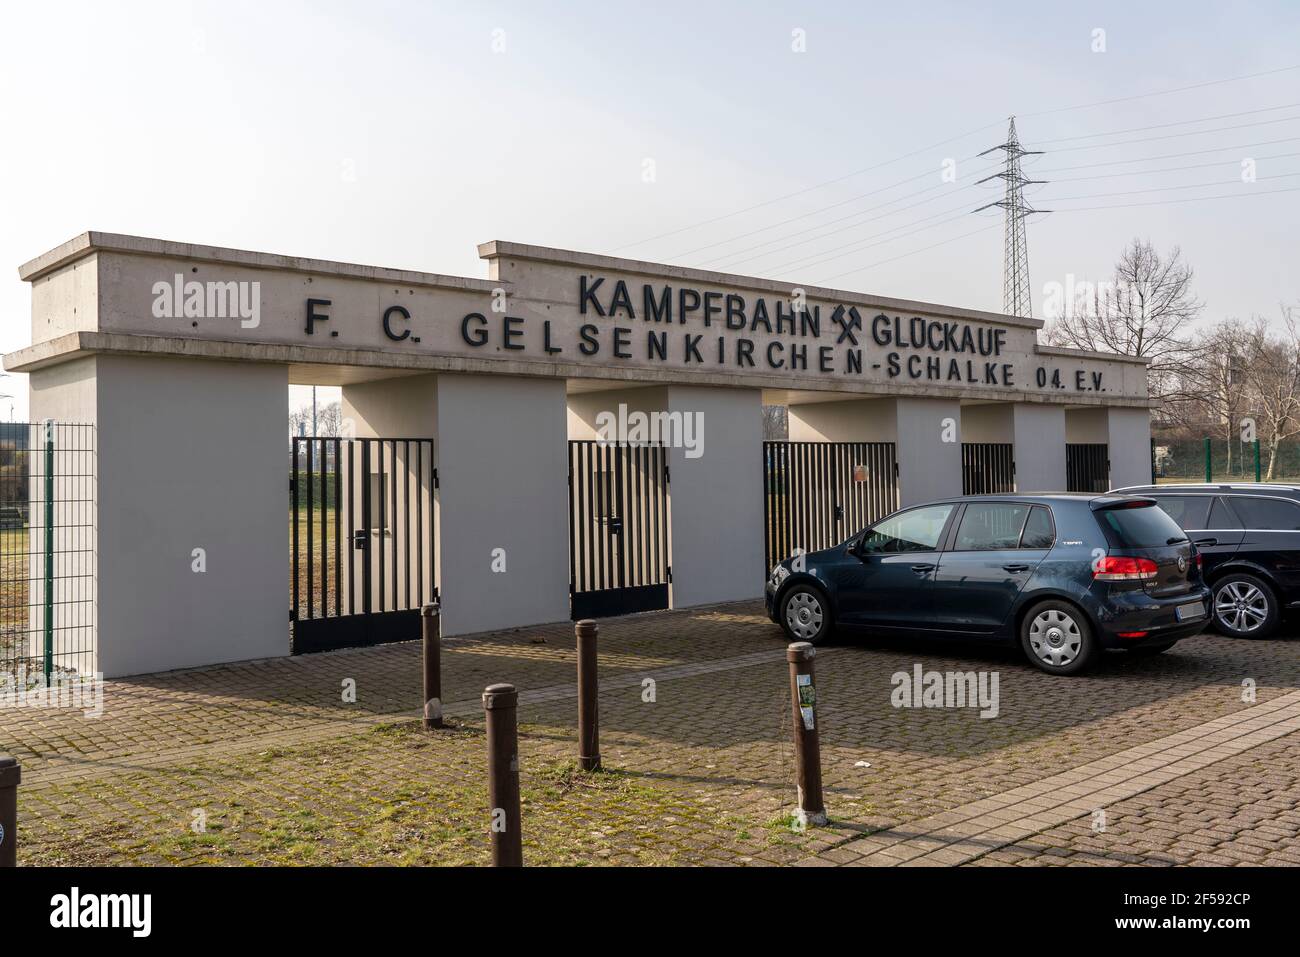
[431, 633]
[501, 703]
[10, 774]
[807, 751]
[588, 689]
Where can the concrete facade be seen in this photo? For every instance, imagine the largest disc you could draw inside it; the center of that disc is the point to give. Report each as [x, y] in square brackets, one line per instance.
[181, 355]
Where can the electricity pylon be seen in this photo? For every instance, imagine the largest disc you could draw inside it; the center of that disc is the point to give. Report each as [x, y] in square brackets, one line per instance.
[1017, 299]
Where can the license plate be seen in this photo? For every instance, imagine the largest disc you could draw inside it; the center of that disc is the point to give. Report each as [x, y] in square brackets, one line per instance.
[1191, 610]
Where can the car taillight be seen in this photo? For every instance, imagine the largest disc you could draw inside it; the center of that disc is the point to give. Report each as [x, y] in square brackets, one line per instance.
[1121, 568]
[1200, 562]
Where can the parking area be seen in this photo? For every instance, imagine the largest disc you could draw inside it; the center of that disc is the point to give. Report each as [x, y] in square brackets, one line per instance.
[1188, 757]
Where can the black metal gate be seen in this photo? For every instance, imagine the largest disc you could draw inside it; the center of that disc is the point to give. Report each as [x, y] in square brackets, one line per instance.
[618, 528]
[361, 532]
[1087, 467]
[817, 494]
[987, 468]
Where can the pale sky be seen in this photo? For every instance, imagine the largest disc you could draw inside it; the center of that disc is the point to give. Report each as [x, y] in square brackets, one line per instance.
[403, 134]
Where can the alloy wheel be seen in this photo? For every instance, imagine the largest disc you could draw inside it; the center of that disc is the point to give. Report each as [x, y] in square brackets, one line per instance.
[1241, 606]
[1055, 637]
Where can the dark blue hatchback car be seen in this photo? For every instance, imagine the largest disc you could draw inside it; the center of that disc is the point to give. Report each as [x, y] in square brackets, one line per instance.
[1063, 575]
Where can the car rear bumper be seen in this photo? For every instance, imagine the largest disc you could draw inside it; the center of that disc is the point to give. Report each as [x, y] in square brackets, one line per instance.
[769, 601]
[1124, 613]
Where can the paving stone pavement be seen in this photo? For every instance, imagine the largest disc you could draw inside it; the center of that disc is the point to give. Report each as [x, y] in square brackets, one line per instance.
[701, 765]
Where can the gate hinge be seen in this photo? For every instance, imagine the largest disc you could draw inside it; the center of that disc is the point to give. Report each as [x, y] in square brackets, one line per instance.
[293, 485]
[435, 479]
[667, 478]
[670, 574]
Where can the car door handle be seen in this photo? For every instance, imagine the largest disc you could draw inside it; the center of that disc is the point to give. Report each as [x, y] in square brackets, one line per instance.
[922, 568]
[1015, 568]
[1206, 542]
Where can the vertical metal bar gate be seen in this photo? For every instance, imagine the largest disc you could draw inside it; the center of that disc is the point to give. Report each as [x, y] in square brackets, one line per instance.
[817, 494]
[1087, 467]
[618, 528]
[361, 539]
[987, 468]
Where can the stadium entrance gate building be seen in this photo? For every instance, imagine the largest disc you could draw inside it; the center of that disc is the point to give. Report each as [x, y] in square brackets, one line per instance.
[575, 434]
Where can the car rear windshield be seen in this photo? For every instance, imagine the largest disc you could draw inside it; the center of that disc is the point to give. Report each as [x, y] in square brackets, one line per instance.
[1139, 526]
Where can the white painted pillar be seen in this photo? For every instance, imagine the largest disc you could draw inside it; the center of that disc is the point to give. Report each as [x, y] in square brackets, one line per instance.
[1038, 433]
[716, 498]
[1129, 435]
[503, 484]
[191, 455]
[929, 449]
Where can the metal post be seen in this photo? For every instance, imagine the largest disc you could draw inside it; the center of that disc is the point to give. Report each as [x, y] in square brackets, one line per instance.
[588, 714]
[10, 774]
[500, 704]
[1209, 467]
[431, 633]
[1256, 443]
[49, 550]
[807, 751]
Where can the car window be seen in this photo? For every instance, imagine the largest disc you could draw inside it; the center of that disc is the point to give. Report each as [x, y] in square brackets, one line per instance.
[990, 525]
[1266, 513]
[1221, 516]
[1039, 531]
[1189, 511]
[916, 530]
[1139, 526]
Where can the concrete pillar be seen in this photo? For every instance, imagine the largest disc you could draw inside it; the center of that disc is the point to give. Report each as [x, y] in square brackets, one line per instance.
[1129, 435]
[191, 470]
[716, 498]
[1038, 433]
[929, 449]
[503, 484]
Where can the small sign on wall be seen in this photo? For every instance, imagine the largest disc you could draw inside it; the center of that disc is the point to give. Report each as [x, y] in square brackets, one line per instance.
[859, 473]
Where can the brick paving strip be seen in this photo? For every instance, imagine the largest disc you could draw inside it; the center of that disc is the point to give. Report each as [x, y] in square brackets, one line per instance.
[58, 769]
[973, 830]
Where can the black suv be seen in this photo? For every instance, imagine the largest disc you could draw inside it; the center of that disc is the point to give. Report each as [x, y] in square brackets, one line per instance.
[1250, 538]
[1062, 575]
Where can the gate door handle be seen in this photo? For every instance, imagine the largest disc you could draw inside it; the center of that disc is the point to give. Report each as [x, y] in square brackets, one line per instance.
[1015, 568]
[360, 540]
[615, 525]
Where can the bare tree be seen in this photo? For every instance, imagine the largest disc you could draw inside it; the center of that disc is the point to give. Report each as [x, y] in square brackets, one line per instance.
[329, 420]
[1145, 310]
[1215, 372]
[1273, 379]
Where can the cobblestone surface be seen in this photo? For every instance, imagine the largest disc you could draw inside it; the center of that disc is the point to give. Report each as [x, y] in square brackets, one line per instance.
[276, 767]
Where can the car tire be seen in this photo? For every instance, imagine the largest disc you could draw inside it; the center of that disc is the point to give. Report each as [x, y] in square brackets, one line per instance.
[1244, 606]
[806, 614]
[1145, 650]
[1057, 637]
